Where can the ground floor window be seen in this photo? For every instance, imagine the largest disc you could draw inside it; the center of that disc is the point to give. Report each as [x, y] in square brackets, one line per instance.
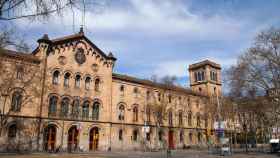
[135, 135]
[120, 134]
[160, 135]
[148, 136]
[181, 136]
[12, 131]
[190, 138]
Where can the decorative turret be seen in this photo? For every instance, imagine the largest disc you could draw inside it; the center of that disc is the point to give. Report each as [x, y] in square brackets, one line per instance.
[44, 46]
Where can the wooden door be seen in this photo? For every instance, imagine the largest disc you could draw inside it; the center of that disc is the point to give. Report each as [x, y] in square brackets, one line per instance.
[93, 139]
[73, 138]
[171, 140]
[50, 138]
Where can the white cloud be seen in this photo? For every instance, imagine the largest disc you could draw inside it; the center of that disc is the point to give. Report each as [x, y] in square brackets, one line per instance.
[152, 18]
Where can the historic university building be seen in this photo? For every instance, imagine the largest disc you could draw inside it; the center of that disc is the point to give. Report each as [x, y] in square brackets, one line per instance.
[65, 95]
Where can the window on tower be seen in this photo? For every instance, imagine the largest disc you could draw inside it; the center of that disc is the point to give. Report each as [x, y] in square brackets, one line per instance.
[199, 76]
[213, 75]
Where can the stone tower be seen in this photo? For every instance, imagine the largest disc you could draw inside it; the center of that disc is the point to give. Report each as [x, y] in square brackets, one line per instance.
[205, 78]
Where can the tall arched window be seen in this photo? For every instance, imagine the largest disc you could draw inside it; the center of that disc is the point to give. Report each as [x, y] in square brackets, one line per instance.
[148, 113]
[95, 111]
[55, 77]
[19, 72]
[87, 83]
[190, 118]
[64, 107]
[148, 95]
[169, 98]
[120, 134]
[12, 131]
[135, 114]
[170, 118]
[160, 135]
[181, 136]
[16, 101]
[190, 138]
[66, 79]
[198, 120]
[199, 137]
[77, 81]
[206, 121]
[121, 112]
[85, 110]
[97, 85]
[180, 118]
[52, 105]
[122, 90]
[135, 91]
[75, 108]
[135, 135]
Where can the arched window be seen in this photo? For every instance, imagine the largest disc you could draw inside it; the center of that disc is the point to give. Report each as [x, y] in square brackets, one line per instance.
[148, 136]
[148, 113]
[135, 92]
[55, 77]
[180, 118]
[19, 72]
[75, 108]
[77, 81]
[190, 118]
[169, 98]
[85, 109]
[12, 131]
[52, 105]
[199, 137]
[97, 85]
[170, 118]
[95, 111]
[190, 137]
[159, 96]
[148, 94]
[121, 112]
[87, 83]
[206, 121]
[135, 135]
[198, 120]
[120, 134]
[181, 136]
[16, 101]
[66, 79]
[122, 90]
[160, 135]
[64, 107]
[135, 114]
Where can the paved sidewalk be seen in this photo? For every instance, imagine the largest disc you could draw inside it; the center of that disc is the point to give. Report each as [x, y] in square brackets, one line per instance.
[138, 154]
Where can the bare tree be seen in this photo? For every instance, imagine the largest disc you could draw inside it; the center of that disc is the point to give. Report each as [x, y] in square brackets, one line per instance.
[16, 75]
[17, 9]
[256, 74]
[10, 38]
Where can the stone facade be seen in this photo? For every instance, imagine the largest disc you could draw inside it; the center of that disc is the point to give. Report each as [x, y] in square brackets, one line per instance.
[69, 98]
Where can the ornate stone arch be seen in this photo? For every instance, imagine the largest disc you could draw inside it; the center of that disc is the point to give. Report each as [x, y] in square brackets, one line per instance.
[56, 69]
[99, 101]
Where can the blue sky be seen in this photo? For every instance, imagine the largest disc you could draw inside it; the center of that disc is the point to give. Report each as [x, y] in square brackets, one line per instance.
[163, 37]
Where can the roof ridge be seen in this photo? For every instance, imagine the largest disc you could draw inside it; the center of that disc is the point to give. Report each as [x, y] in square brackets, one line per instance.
[152, 83]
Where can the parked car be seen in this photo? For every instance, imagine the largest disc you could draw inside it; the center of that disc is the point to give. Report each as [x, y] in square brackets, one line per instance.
[274, 145]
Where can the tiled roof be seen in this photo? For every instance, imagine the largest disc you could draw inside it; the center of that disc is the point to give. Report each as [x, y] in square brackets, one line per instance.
[205, 62]
[146, 82]
[19, 55]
